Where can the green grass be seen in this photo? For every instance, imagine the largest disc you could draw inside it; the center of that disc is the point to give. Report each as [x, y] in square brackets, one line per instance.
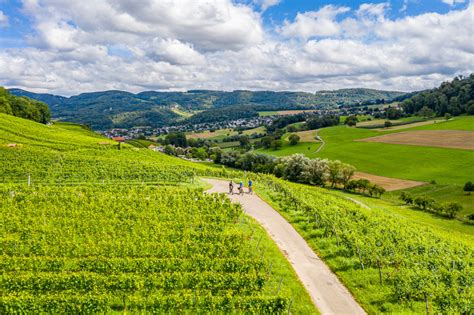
[447, 166]
[268, 113]
[307, 148]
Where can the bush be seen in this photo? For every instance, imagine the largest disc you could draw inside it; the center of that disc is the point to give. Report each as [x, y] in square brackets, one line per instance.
[294, 139]
[452, 208]
[468, 187]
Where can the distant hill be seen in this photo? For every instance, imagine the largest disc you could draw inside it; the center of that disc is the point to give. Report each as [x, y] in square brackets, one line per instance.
[102, 110]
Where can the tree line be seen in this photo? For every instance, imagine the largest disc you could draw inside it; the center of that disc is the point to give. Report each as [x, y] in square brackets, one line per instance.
[23, 107]
[455, 98]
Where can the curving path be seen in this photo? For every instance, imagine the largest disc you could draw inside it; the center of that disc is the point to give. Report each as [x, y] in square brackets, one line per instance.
[327, 292]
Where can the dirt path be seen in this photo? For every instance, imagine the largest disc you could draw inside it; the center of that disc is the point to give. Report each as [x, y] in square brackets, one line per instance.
[327, 292]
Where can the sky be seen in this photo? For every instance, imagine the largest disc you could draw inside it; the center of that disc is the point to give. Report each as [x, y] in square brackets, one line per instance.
[68, 47]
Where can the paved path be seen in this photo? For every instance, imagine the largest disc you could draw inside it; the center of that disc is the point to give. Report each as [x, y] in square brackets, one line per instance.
[327, 292]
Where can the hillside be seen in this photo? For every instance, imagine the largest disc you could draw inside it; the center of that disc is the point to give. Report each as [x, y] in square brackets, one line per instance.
[91, 227]
[94, 227]
[102, 110]
[23, 107]
[454, 97]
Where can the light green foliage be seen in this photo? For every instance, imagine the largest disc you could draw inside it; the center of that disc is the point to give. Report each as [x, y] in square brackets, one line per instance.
[103, 248]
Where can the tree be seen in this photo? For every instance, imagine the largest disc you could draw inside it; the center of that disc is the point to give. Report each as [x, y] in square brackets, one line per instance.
[347, 171]
[452, 209]
[393, 113]
[177, 139]
[295, 165]
[425, 112]
[294, 139]
[215, 153]
[266, 142]
[470, 108]
[316, 172]
[276, 144]
[351, 121]
[447, 116]
[387, 124]
[244, 141]
[291, 129]
[468, 187]
[335, 172]
[170, 150]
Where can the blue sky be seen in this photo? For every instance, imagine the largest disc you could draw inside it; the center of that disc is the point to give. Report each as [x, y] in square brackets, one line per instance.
[66, 47]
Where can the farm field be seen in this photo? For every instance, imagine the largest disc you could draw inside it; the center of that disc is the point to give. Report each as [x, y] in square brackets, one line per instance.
[456, 139]
[222, 133]
[388, 183]
[448, 166]
[105, 230]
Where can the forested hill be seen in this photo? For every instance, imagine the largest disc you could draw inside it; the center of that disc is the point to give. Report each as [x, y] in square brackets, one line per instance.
[455, 97]
[107, 109]
[23, 107]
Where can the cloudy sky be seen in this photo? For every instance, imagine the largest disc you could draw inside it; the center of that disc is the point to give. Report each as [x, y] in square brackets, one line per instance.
[67, 47]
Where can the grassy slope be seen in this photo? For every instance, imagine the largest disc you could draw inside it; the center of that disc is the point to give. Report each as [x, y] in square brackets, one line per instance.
[83, 145]
[449, 166]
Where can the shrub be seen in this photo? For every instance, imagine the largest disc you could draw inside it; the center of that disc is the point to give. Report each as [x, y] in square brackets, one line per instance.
[452, 208]
[294, 139]
[468, 187]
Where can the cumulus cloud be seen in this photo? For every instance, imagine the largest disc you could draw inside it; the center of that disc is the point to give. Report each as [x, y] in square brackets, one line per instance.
[314, 23]
[3, 19]
[159, 45]
[265, 4]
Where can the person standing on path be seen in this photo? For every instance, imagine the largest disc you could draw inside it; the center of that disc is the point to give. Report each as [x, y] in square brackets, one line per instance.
[250, 187]
[241, 188]
[231, 188]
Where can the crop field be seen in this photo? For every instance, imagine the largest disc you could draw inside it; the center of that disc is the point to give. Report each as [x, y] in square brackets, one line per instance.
[222, 133]
[457, 139]
[384, 259]
[308, 135]
[89, 228]
[445, 165]
[388, 183]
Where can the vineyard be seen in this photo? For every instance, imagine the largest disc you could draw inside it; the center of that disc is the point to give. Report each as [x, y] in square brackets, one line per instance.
[79, 249]
[89, 227]
[389, 263]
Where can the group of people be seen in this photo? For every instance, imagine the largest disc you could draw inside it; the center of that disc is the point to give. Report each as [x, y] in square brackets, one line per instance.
[240, 187]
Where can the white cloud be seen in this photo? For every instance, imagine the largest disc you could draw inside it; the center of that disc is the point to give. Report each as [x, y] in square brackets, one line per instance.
[3, 19]
[265, 4]
[174, 52]
[150, 45]
[314, 23]
[453, 2]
